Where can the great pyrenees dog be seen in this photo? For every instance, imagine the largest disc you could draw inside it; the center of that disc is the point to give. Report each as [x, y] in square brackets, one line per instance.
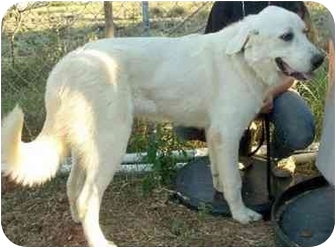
[216, 81]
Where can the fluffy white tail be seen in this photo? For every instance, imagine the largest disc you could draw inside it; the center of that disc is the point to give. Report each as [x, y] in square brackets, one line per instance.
[28, 163]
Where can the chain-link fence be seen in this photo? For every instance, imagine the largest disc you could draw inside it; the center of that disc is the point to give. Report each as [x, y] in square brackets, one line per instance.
[35, 35]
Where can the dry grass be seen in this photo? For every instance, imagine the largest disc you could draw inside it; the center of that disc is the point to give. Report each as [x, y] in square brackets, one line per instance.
[41, 217]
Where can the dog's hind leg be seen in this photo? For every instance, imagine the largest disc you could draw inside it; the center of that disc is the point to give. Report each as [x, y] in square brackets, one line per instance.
[75, 184]
[97, 179]
[113, 127]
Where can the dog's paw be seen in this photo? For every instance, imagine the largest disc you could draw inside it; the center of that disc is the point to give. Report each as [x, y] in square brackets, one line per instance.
[246, 216]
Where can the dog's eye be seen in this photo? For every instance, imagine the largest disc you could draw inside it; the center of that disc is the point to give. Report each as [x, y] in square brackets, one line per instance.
[287, 36]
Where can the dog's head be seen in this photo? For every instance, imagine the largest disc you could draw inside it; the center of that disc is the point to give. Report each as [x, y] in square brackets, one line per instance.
[274, 43]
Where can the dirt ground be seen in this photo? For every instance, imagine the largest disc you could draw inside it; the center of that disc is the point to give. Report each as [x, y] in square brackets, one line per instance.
[41, 217]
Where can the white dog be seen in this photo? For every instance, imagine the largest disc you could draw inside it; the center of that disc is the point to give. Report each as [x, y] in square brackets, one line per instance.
[215, 81]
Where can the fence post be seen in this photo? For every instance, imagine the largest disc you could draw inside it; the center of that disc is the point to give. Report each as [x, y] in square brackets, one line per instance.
[145, 18]
[108, 13]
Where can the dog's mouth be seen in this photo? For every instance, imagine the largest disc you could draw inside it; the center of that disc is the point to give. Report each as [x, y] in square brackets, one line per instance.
[287, 70]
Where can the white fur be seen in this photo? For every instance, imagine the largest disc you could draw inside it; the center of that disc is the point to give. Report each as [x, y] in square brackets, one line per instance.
[215, 81]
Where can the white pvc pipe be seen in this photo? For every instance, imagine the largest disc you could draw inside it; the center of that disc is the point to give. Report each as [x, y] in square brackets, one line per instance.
[124, 168]
[131, 158]
[134, 162]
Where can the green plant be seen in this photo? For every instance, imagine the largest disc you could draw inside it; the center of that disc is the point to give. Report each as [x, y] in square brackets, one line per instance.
[161, 144]
[314, 92]
[204, 210]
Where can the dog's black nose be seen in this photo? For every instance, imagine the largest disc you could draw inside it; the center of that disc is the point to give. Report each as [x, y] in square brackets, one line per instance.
[317, 60]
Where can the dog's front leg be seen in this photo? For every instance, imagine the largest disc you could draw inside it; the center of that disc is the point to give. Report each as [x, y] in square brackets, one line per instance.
[225, 145]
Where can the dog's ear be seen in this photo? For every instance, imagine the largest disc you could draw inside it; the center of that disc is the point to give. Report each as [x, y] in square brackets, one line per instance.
[239, 40]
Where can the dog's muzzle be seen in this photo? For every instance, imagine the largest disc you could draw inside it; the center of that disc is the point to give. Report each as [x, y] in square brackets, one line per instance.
[315, 62]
